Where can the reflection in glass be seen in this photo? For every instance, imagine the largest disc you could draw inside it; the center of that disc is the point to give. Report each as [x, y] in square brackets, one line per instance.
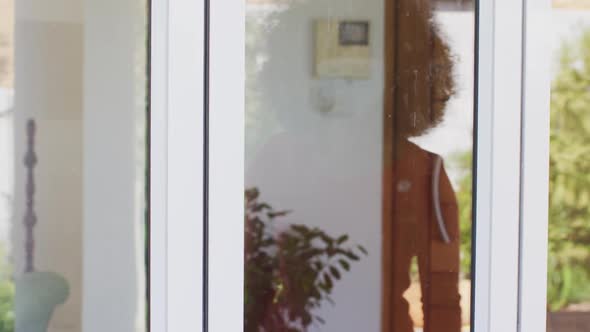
[568, 289]
[73, 166]
[358, 165]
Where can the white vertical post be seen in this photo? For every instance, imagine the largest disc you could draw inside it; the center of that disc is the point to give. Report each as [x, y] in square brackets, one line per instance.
[158, 165]
[505, 164]
[185, 165]
[176, 148]
[226, 177]
[498, 165]
[535, 166]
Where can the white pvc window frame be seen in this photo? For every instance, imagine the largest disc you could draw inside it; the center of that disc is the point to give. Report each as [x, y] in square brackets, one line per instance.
[497, 188]
[535, 166]
[512, 113]
[177, 32]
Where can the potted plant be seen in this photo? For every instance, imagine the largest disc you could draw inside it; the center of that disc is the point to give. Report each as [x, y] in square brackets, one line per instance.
[289, 273]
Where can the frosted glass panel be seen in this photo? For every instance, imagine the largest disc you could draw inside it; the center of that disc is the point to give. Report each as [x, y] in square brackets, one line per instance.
[73, 143]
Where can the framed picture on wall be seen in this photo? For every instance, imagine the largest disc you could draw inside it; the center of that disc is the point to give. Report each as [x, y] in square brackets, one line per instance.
[353, 33]
[342, 49]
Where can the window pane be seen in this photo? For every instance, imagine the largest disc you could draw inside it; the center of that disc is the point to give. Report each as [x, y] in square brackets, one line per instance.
[568, 292]
[73, 142]
[359, 144]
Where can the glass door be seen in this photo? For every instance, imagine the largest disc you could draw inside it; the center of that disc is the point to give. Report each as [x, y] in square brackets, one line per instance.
[364, 165]
[358, 165]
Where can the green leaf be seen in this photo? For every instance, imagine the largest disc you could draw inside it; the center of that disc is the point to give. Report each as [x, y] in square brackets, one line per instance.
[261, 206]
[318, 265]
[328, 282]
[342, 239]
[335, 273]
[300, 229]
[275, 214]
[363, 250]
[344, 264]
[352, 256]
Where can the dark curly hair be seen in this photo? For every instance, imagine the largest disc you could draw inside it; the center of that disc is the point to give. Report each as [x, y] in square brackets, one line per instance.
[442, 78]
[425, 80]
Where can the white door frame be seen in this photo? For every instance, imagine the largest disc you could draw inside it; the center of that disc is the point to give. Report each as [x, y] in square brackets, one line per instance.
[498, 164]
[507, 193]
[535, 166]
[176, 165]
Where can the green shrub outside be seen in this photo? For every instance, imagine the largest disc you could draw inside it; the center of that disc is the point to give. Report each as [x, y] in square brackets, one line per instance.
[569, 195]
[6, 295]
